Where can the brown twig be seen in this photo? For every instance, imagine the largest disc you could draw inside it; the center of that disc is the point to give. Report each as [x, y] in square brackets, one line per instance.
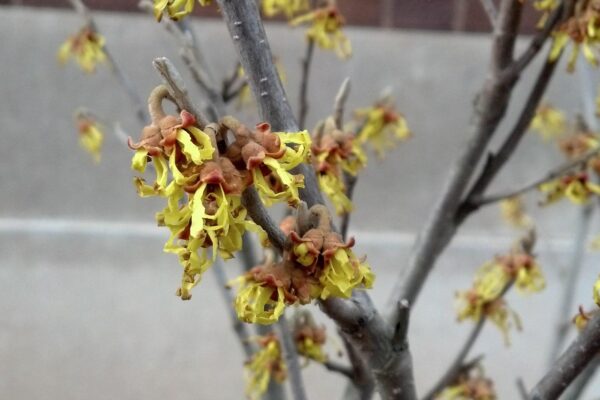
[124, 81]
[572, 362]
[177, 89]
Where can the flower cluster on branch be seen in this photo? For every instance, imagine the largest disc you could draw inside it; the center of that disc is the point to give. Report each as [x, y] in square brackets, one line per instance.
[202, 177]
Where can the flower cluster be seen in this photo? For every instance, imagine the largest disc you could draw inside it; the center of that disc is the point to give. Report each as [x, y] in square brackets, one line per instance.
[469, 386]
[513, 212]
[381, 126]
[203, 185]
[309, 337]
[581, 319]
[577, 187]
[546, 7]
[317, 264]
[492, 280]
[265, 364]
[90, 134]
[582, 30]
[176, 9]
[549, 122]
[334, 153]
[326, 30]
[87, 47]
[288, 7]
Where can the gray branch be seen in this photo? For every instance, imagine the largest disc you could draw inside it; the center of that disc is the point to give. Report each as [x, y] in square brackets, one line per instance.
[572, 362]
[490, 108]
[240, 328]
[290, 356]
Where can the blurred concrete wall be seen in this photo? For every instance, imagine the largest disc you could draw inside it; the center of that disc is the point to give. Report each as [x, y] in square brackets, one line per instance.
[87, 306]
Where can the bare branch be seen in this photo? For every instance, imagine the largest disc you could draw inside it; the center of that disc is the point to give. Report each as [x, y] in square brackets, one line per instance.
[116, 70]
[362, 385]
[240, 328]
[350, 182]
[583, 350]
[306, 62]
[490, 107]
[490, 9]
[552, 174]
[578, 386]
[339, 368]
[340, 103]
[259, 214]
[495, 162]
[290, 356]
[522, 389]
[401, 330]
[177, 89]
[535, 45]
[457, 365]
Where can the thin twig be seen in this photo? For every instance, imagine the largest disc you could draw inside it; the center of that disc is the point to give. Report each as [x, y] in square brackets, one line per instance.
[362, 385]
[350, 182]
[550, 175]
[259, 214]
[240, 328]
[340, 103]
[572, 362]
[339, 368]
[290, 356]
[303, 102]
[401, 330]
[496, 161]
[535, 45]
[522, 389]
[490, 9]
[124, 81]
[177, 89]
[457, 365]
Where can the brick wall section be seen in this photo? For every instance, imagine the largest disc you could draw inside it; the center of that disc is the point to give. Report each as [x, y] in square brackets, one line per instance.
[456, 15]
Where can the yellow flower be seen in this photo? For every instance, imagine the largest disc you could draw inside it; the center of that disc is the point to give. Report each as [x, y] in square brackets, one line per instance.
[548, 121]
[90, 134]
[272, 178]
[513, 212]
[576, 187]
[344, 272]
[87, 47]
[546, 7]
[334, 153]
[382, 127]
[335, 190]
[175, 8]
[288, 7]
[469, 387]
[597, 292]
[265, 364]
[582, 31]
[258, 303]
[326, 30]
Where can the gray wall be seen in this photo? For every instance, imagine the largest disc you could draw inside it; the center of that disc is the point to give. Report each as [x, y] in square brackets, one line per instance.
[87, 306]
